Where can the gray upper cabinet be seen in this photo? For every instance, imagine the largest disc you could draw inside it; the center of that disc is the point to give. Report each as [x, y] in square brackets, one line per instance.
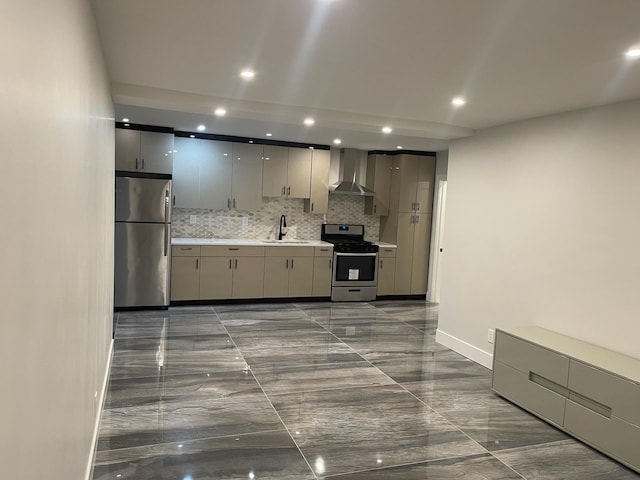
[149, 152]
[246, 181]
[378, 180]
[318, 201]
[202, 174]
[287, 172]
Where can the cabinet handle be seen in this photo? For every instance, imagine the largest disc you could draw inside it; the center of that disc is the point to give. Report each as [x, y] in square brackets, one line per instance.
[375, 208]
[197, 263]
[143, 164]
[186, 248]
[417, 205]
[288, 191]
[312, 206]
[283, 190]
[229, 264]
[236, 264]
[388, 250]
[286, 264]
[234, 203]
[136, 164]
[292, 264]
[174, 200]
[228, 203]
[330, 262]
[380, 264]
[413, 219]
[324, 249]
[417, 218]
[234, 248]
[413, 205]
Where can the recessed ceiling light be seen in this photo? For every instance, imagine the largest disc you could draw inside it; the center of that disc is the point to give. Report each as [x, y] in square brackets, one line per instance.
[309, 121]
[633, 52]
[387, 129]
[126, 124]
[247, 74]
[250, 141]
[192, 136]
[201, 128]
[399, 147]
[458, 101]
[220, 112]
[337, 141]
[269, 134]
[125, 120]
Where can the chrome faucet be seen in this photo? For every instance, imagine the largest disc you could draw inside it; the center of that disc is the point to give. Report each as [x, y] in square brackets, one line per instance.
[283, 223]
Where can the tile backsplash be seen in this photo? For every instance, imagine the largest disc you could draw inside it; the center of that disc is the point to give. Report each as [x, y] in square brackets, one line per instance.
[263, 224]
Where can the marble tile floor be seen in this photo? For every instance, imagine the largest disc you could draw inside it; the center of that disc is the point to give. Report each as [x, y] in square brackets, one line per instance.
[340, 391]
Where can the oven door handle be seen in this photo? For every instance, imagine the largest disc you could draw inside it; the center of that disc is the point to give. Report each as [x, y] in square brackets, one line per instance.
[340, 254]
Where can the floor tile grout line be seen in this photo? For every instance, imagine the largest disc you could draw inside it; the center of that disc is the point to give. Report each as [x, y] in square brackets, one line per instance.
[274, 408]
[460, 430]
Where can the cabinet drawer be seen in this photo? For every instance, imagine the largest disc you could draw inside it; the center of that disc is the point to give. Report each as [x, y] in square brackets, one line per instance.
[185, 250]
[516, 386]
[613, 436]
[620, 395]
[386, 252]
[323, 251]
[289, 251]
[527, 357]
[231, 250]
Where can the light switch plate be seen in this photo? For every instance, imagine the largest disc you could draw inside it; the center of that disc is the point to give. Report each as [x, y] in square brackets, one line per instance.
[491, 335]
[192, 219]
[245, 221]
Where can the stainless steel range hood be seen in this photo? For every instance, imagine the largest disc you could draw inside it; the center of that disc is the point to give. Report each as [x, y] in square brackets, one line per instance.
[349, 183]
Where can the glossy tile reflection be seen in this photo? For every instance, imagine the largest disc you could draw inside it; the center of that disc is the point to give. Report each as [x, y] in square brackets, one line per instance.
[315, 390]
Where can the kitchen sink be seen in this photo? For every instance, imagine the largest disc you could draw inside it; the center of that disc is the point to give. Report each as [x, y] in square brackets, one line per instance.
[285, 241]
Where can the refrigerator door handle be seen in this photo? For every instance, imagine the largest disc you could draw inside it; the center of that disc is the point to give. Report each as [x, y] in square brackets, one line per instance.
[166, 239]
[166, 205]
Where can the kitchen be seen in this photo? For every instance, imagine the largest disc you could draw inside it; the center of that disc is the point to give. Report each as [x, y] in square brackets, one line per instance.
[239, 189]
[566, 264]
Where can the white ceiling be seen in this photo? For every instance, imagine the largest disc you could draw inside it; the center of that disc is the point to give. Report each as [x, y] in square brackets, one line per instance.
[356, 65]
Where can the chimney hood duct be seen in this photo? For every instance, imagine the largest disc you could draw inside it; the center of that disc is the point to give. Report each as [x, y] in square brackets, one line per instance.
[349, 171]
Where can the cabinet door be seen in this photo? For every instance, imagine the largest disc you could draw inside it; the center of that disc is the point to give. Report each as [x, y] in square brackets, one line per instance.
[276, 277]
[301, 276]
[185, 278]
[299, 173]
[386, 275]
[420, 264]
[248, 277]
[127, 149]
[215, 175]
[319, 196]
[322, 276]
[424, 187]
[216, 277]
[404, 254]
[408, 171]
[379, 180]
[274, 174]
[246, 184]
[156, 152]
[186, 172]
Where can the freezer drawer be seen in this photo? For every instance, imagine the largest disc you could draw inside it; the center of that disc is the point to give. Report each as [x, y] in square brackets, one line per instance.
[142, 262]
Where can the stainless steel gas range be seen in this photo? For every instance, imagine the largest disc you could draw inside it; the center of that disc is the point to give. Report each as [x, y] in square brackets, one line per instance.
[355, 273]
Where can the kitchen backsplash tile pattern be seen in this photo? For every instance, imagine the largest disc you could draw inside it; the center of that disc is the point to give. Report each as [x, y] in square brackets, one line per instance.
[263, 224]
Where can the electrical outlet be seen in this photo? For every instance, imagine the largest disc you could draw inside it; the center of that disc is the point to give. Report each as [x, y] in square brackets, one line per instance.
[245, 221]
[193, 219]
[491, 335]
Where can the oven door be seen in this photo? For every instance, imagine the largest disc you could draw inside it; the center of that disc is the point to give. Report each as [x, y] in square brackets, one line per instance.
[355, 269]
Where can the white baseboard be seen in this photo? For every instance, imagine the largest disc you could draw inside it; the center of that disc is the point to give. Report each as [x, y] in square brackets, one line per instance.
[103, 394]
[463, 348]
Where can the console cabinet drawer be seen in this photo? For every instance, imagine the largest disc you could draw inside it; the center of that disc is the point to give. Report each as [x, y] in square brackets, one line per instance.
[231, 251]
[527, 357]
[619, 394]
[613, 436]
[185, 250]
[516, 386]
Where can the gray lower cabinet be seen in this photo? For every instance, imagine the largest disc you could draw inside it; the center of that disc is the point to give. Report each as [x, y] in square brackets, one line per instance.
[588, 391]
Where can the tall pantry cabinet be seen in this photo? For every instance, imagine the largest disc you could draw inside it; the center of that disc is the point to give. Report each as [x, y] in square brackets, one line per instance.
[408, 224]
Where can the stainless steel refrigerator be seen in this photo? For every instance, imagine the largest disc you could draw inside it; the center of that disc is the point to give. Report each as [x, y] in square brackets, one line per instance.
[142, 242]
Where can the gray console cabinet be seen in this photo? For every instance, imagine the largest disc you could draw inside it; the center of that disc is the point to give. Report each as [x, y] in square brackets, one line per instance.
[589, 392]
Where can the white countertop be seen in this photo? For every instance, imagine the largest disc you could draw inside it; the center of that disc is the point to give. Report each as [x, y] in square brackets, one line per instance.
[386, 245]
[254, 242]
